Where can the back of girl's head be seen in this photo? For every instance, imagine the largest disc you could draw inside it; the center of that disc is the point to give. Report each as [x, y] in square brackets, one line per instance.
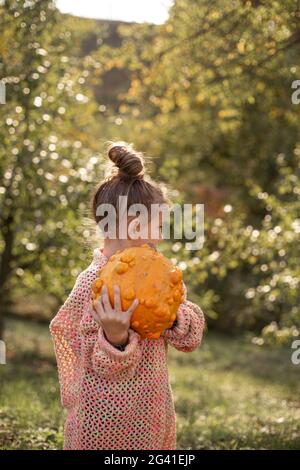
[128, 178]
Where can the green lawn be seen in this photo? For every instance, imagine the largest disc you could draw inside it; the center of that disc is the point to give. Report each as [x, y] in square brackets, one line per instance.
[229, 394]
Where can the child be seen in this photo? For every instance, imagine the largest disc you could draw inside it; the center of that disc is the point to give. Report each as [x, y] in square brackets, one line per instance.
[115, 385]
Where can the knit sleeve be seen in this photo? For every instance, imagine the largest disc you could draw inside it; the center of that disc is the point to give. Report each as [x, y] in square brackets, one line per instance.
[102, 357]
[64, 329]
[187, 331]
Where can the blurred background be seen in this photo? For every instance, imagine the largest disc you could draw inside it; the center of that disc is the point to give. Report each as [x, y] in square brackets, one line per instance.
[207, 90]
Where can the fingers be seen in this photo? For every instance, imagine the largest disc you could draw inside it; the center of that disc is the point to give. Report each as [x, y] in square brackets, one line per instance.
[93, 313]
[97, 312]
[104, 308]
[96, 317]
[105, 299]
[131, 309]
[117, 299]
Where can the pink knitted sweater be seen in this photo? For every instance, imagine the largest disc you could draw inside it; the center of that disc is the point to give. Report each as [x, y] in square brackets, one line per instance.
[116, 399]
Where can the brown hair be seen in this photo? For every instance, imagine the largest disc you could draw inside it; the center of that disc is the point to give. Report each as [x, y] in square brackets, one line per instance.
[128, 178]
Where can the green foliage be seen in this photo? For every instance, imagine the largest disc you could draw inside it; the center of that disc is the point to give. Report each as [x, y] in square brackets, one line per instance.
[214, 85]
[208, 94]
[212, 92]
[248, 277]
[47, 156]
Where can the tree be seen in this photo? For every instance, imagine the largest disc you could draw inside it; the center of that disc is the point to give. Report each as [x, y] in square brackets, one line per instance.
[211, 98]
[47, 154]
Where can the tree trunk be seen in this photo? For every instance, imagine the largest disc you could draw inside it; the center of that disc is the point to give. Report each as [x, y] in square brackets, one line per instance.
[5, 268]
[1, 325]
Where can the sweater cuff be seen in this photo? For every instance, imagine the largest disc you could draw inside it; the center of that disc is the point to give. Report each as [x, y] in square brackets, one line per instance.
[114, 353]
[181, 328]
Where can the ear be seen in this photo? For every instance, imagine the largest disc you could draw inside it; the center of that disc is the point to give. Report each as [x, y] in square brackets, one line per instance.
[134, 228]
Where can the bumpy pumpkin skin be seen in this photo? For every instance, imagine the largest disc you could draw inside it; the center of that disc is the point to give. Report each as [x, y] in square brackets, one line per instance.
[143, 273]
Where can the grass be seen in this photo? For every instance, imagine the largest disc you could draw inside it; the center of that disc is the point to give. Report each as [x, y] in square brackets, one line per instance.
[229, 394]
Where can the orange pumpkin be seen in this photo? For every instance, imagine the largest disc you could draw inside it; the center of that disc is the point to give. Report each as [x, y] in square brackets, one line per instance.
[143, 273]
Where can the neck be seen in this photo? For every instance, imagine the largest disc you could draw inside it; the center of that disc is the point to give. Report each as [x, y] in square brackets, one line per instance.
[111, 246]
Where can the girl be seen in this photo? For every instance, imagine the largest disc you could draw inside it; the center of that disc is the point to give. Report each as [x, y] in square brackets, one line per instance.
[115, 385]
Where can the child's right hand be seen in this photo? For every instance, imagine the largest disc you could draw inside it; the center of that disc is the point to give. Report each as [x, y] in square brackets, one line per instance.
[114, 321]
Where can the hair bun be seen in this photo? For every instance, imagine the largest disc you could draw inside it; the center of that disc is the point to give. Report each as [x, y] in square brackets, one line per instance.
[129, 162]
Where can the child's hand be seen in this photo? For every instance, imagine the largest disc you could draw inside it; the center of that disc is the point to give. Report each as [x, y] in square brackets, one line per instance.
[114, 321]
